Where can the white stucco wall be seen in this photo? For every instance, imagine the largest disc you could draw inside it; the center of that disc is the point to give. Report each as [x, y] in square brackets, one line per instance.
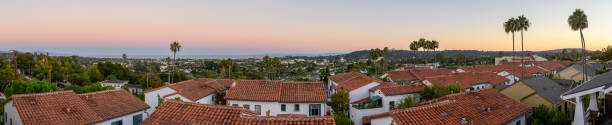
[275, 107]
[126, 119]
[358, 114]
[481, 86]
[184, 99]
[520, 118]
[116, 85]
[387, 120]
[11, 114]
[151, 98]
[210, 99]
[362, 92]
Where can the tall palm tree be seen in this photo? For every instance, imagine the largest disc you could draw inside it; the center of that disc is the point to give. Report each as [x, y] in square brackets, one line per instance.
[414, 46]
[230, 63]
[434, 45]
[523, 24]
[510, 26]
[578, 21]
[15, 64]
[267, 65]
[374, 55]
[174, 47]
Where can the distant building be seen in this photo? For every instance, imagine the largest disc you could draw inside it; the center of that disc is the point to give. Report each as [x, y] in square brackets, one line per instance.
[109, 107]
[114, 83]
[532, 58]
[134, 88]
[469, 81]
[173, 112]
[277, 98]
[476, 107]
[202, 91]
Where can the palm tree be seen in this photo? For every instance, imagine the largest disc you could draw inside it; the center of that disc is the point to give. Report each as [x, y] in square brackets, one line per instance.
[523, 24]
[174, 47]
[510, 26]
[230, 63]
[434, 45]
[578, 21]
[414, 46]
[266, 63]
[374, 56]
[15, 64]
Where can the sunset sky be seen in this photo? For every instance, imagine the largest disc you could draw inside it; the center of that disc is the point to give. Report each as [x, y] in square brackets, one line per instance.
[245, 27]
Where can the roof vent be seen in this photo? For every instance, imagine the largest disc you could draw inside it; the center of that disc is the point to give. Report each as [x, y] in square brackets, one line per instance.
[87, 97]
[464, 121]
[489, 109]
[68, 110]
[444, 114]
[507, 106]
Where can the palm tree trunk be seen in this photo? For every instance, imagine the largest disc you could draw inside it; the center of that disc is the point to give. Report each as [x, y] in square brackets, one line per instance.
[522, 56]
[174, 67]
[583, 57]
[513, 54]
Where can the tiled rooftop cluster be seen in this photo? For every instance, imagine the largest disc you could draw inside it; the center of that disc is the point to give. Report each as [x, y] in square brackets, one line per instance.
[275, 90]
[467, 79]
[178, 112]
[67, 107]
[197, 89]
[477, 107]
[393, 89]
[351, 80]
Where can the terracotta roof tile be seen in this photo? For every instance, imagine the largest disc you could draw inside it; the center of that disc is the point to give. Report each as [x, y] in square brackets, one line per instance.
[486, 106]
[417, 74]
[400, 89]
[58, 108]
[467, 79]
[66, 107]
[275, 90]
[113, 103]
[178, 112]
[356, 82]
[344, 76]
[200, 88]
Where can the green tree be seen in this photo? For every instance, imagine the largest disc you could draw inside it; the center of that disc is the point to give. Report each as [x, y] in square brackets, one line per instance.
[578, 21]
[79, 78]
[542, 115]
[124, 57]
[434, 91]
[511, 26]
[340, 102]
[408, 101]
[342, 119]
[324, 75]
[174, 47]
[27, 87]
[88, 88]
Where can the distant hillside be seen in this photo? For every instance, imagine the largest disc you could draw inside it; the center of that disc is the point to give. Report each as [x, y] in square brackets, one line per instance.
[364, 54]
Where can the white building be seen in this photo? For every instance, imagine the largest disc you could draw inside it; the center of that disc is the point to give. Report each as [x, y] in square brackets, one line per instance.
[356, 84]
[499, 60]
[202, 91]
[114, 83]
[277, 98]
[476, 107]
[107, 107]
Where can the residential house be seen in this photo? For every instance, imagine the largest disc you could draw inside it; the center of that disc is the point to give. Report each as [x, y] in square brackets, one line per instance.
[538, 91]
[174, 112]
[575, 72]
[114, 83]
[134, 88]
[201, 90]
[600, 85]
[383, 98]
[467, 80]
[109, 107]
[413, 75]
[476, 107]
[356, 84]
[532, 58]
[274, 97]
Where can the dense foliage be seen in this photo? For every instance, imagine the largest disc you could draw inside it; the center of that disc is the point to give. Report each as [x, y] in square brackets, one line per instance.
[434, 91]
[27, 87]
[340, 102]
[542, 115]
[88, 88]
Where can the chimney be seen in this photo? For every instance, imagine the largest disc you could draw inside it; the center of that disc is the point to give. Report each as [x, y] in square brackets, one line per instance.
[489, 109]
[464, 121]
[68, 110]
[268, 112]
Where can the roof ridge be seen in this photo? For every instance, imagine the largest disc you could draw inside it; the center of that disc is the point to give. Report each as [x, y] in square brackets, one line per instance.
[286, 118]
[44, 93]
[98, 92]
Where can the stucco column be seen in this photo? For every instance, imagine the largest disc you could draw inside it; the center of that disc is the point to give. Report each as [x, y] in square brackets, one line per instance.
[578, 113]
[593, 102]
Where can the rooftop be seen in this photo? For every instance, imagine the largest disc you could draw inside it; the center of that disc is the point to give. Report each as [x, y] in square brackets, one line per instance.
[200, 88]
[275, 90]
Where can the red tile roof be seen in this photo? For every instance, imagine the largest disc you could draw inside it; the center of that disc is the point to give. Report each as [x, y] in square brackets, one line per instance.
[178, 112]
[356, 82]
[416, 74]
[467, 79]
[344, 76]
[477, 107]
[400, 89]
[275, 90]
[57, 108]
[113, 103]
[66, 107]
[200, 88]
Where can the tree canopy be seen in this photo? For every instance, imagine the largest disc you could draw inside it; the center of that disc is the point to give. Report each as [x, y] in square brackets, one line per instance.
[27, 87]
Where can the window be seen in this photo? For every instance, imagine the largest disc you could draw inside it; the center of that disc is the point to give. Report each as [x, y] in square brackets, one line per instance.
[137, 119]
[246, 106]
[258, 109]
[283, 107]
[297, 107]
[518, 122]
[235, 105]
[120, 122]
[315, 110]
[391, 105]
